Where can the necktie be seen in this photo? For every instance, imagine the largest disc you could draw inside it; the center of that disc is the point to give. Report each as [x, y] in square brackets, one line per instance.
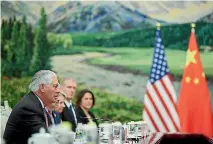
[50, 118]
[45, 116]
[74, 114]
[54, 117]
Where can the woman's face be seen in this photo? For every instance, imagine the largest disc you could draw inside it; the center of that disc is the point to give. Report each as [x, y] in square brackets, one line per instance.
[86, 101]
[60, 104]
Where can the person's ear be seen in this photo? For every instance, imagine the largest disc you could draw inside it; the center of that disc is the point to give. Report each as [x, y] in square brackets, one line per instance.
[42, 87]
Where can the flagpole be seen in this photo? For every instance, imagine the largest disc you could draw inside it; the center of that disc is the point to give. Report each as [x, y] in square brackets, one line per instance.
[160, 110]
[158, 26]
[193, 27]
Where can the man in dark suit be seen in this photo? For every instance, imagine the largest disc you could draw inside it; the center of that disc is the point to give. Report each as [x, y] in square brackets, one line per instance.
[29, 115]
[68, 87]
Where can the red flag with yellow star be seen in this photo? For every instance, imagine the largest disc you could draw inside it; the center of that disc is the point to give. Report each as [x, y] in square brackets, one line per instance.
[194, 103]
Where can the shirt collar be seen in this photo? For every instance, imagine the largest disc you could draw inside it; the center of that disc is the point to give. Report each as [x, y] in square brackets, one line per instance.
[48, 111]
[42, 104]
[68, 103]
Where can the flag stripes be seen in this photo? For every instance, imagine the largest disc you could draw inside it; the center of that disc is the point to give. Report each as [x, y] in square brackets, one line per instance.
[158, 100]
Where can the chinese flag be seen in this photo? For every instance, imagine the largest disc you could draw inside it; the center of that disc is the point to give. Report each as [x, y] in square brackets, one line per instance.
[194, 103]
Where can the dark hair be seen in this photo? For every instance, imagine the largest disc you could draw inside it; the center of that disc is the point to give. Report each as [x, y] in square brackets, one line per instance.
[81, 94]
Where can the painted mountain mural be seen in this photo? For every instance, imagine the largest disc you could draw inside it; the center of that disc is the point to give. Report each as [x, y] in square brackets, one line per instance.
[106, 46]
[107, 16]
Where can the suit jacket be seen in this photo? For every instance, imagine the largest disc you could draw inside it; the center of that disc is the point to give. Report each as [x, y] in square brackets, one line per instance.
[83, 117]
[56, 117]
[26, 118]
[67, 115]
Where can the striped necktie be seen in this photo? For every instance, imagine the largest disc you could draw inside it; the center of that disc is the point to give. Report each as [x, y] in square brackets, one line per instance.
[48, 116]
[45, 116]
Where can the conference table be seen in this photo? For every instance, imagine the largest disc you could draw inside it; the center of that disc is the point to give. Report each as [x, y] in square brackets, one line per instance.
[173, 138]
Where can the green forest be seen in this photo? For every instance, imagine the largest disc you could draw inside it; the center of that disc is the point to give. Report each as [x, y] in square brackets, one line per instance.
[174, 37]
[24, 50]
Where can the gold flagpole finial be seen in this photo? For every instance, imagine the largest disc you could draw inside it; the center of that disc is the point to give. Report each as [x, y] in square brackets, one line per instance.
[193, 25]
[158, 26]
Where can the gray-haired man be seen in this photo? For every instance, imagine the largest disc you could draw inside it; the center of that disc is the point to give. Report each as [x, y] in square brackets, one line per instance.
[28, 116]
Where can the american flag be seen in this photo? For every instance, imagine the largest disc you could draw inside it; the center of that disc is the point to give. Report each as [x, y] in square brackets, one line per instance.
[160, 110]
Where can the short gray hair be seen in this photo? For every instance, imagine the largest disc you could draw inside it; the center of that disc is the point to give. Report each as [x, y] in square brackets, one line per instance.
[41, 77]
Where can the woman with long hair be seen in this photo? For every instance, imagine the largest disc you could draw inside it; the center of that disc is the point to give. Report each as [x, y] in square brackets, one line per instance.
[85, 101]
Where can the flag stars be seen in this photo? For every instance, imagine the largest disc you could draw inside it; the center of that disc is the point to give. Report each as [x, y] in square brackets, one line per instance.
[158, 45]
[188, 79]
[203, 74]
[196, 80]
[159, 39]
[153, 70]
[160, 57]
[190, 58]
[158, 72]
[163, 68]
[152, 75]
[159, 66]
[162, 73]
